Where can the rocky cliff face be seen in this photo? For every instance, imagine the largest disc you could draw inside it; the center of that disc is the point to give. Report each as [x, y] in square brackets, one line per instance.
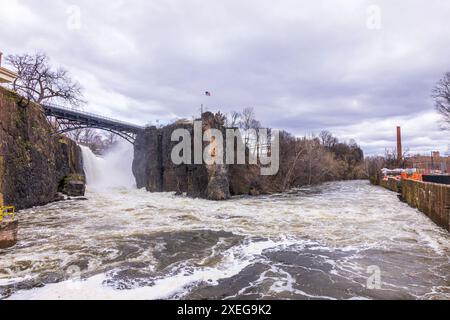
[34, 163]
[154, 169]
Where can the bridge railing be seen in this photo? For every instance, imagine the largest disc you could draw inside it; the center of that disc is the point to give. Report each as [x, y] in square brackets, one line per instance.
[90, 114]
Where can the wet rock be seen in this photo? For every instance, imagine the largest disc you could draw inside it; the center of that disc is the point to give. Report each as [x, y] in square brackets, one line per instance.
[236, 287]
[174, 252]
[316, 275]
[218, 187]
[130, 278]
[53, 277]
[256, 189]
[243, 179]
[254, 192]
[8, 233]
[301, 273]
[79, 199]
[182, 246]
[74, 186]
[59, 197]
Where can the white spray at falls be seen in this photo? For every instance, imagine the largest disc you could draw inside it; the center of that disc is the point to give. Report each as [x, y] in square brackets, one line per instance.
[113, 170]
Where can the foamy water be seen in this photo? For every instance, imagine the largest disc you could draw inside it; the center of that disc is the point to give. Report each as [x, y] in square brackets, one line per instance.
[314, 243]
[111, 170]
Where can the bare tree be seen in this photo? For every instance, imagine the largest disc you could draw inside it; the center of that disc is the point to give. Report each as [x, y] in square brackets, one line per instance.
[247, 119]
[40, 83]
[289, 178]
[307, 161]
[99, 142]
[92, 139]
[441, 95]
[256, 125]
[110, 139]
[247, 116]
[233, 119]
[373, 166]
[75, 135]
[327, 139]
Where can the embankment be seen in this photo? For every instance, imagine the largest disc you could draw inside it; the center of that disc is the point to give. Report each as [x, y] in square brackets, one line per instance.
[430, 198]
[35, 164]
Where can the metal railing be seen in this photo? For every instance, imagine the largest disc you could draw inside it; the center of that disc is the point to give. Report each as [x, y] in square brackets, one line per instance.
[7, 212]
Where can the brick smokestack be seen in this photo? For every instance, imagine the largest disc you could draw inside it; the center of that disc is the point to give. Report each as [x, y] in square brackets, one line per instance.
[1, 55]
[399, 145]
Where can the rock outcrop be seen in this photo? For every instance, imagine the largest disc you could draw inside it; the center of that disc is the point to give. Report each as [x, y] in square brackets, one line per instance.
[155, 171]
[35, 164]
[73, 185]
[8, 233]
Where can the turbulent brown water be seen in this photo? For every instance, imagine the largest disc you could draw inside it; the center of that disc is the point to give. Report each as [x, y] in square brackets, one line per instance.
[317, 243]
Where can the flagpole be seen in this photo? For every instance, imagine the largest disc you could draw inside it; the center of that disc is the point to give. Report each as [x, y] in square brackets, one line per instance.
[208, 94]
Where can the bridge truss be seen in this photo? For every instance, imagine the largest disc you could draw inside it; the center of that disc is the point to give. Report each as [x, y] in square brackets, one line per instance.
[68, 120]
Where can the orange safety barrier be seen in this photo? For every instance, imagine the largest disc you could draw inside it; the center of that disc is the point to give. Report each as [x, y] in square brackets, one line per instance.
[414, 176]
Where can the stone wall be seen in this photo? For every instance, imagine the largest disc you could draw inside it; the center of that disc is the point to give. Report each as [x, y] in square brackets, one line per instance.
[391, 184]
[430, 198]
[34, 162]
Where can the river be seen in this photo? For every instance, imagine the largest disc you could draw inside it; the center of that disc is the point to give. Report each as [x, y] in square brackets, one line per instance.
[341, 240]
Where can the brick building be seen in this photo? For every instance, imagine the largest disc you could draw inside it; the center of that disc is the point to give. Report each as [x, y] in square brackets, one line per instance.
[426, 164]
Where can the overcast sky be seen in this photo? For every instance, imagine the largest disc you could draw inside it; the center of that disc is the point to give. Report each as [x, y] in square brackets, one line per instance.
[356, 68]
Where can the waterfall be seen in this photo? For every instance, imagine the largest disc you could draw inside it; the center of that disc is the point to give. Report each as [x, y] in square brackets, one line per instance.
[111, 170]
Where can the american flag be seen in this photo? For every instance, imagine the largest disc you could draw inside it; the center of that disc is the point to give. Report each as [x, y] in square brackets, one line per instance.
[208, 94]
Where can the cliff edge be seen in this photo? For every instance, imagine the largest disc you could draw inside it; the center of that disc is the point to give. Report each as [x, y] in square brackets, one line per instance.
[35, 164]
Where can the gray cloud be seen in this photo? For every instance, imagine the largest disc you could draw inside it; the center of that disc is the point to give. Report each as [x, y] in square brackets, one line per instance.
[304, 66]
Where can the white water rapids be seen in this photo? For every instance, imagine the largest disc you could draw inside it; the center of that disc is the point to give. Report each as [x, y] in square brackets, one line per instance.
[318, 242]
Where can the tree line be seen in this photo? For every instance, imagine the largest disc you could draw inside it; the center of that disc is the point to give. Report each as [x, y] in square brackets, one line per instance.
[306, 160]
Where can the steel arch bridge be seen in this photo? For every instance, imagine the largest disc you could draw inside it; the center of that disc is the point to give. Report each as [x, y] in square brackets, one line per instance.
[70, 119]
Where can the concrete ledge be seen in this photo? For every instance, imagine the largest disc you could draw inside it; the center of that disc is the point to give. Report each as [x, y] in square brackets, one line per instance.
[8, 233]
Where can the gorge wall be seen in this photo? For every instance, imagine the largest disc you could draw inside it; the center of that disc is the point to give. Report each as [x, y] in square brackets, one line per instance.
[155, 171]
[35, 164]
